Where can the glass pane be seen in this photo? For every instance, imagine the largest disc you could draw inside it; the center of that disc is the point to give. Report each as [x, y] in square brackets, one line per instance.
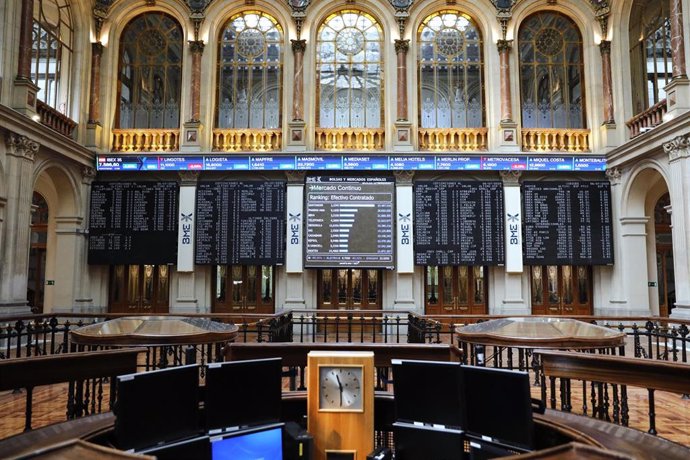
[463, 284]
[326, 286]
[236, 272]
[537, 286]
[478, 285]
[552, 275]
[148, 285]
[118, 283]
[373, 287]
[342, 286]
[447, 285]
[133, 285]
[267, 289]
[163, 283]
[567, 284]
[220, 282]
[252, 279]
[357, 287]
[432, 285]
[583, 285]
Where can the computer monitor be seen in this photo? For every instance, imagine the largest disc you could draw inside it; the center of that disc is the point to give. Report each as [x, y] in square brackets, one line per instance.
[428, 392]
[194, 448]
[498, 405]
[264, 442]
[243, 393]
[483, 450]
[416, 441]
[156, 407]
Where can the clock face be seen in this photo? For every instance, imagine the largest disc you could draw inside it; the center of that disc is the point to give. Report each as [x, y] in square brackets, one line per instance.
[340, 388]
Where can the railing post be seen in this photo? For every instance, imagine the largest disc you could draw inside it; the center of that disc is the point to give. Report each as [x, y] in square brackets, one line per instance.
[652, 414]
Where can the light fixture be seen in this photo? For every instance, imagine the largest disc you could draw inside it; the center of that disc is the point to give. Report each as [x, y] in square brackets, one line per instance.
[36, 117]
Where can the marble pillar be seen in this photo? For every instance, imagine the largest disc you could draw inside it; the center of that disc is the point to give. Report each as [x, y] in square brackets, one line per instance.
[401, 49]
[197, 49]
[677, 40]
[294, 267]
[95, 96]
[298, 47]
[504, 48]
[605, 49]
[17, 226]
[25, 40]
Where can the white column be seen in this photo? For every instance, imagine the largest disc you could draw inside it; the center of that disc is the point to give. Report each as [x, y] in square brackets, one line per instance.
[14, 265]
[294, 256]
[404, 275]
[631, 258]
[69, 239]
[186, 300]
[678, 151]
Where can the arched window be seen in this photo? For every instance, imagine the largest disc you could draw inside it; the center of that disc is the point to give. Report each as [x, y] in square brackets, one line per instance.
[51, 54]
[450, 72]
[650, 52]
[150, 73]
[349, 71]
[249, 72]
[551, 72]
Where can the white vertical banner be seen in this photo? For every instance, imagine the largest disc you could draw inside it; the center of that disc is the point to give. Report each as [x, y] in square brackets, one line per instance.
[185, 229]
[513, 224]
[295, 235]
[404, 204]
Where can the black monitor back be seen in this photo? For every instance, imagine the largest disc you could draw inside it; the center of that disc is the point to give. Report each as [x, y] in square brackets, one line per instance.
[428, 392]
[156, 407]
[243, 393]
[416, 442]
[194, 448]
[498, 405]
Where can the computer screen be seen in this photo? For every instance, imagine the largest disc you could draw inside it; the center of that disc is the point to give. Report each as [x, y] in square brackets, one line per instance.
[428, 392]
[194, 448]
[251, 444]
[243, 393]
[415, 442]
[498, 405]
[156, 407]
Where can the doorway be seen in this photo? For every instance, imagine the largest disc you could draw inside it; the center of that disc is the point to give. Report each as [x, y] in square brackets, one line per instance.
[666, 286]
[350, 289]
[139, 289]
[561, 289]
[455, 290]
[35, 292]
[244, 289]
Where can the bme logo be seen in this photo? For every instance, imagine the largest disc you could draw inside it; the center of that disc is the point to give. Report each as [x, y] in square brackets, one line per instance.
[404, 228]
[294, 228]
[186, 228]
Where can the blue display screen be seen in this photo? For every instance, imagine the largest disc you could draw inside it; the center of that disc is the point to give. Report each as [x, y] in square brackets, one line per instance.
[257, 445]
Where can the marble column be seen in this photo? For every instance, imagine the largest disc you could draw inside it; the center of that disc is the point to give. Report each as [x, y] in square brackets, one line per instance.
[197, 49]
[25, 40]
[405, 273]
[298, 47]
[95, 96]
[294, 268]
[186, 299]
[605, 49]
[677, 39]
[401, 49]
[15, 265]
[504, 48]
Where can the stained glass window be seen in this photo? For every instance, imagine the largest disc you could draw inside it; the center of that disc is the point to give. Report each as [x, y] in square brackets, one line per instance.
[249, 72]
[450, 72]
[349, 71]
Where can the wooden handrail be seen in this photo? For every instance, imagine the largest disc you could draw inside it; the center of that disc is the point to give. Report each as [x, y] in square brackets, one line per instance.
[50, 369]
[295, 354]
[644, 373]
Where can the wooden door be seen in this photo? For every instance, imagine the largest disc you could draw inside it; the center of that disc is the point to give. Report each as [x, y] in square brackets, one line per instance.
[455, 290]
[244, 289]
[561, 290]
[36, 279]
[666, 284]
[350, 289]
[139, 289]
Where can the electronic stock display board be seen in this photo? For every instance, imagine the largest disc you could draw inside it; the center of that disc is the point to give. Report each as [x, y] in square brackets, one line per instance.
[240, 222]
[459, 223]
[133, 223]
[567, 223]
[349, 222]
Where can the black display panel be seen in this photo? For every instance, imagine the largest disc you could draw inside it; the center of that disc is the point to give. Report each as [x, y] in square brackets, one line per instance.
[133, 223]
[415, 442]
[567, 223]
[349, 222]
[459, 223]
[240, 223]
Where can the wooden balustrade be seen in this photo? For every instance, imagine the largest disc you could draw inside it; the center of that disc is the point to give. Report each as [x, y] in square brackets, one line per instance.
[349, 139]
[644, 121]
[555, 139]
[55, 120]
[443, 139]
[246, 140]
[146, 140]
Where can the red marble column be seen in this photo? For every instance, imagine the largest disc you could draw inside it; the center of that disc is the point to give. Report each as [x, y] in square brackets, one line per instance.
[504, 48]
[197, 49]
[95, 94]
[298, 47]
[25, 38]
[605, 49]
[677, 39]
[401, 49]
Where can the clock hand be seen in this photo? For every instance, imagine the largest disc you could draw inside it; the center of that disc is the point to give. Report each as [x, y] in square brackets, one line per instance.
[340, 386]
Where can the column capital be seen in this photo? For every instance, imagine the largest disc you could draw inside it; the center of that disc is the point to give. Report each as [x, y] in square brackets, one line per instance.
[295, 177]
[403, 177]
[605, 47]
[188, 177]
[402, 46]
[196, 46]
[677, 148]
[298, 46]
[88, 174]
[614, 175]
[21, 146]
[511, 178]
[504, 46]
